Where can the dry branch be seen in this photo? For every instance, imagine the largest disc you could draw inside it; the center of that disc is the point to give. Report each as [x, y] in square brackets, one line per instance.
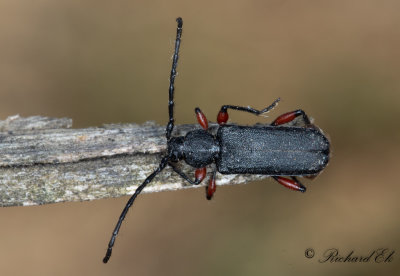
[43, 160]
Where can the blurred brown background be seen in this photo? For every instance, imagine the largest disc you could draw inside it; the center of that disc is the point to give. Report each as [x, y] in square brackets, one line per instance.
[108, 61]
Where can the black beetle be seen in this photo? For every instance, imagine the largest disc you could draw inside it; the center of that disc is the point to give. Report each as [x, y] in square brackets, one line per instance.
[274, 150]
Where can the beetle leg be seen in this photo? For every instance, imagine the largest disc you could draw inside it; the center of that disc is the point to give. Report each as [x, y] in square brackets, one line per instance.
[290, 116]
[223, 116]
[292, 184]
[211, 187]
[200, 174]
[201, 118]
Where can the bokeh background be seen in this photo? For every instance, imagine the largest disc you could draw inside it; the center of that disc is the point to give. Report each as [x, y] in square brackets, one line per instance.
[108, 61]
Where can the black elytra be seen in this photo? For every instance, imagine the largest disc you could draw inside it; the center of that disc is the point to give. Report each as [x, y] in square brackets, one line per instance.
[282, 148]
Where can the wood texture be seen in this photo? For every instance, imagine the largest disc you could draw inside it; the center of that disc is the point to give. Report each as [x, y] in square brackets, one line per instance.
[43, 160]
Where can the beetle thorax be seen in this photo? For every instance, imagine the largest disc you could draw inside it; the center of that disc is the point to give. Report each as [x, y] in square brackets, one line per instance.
[199, 148]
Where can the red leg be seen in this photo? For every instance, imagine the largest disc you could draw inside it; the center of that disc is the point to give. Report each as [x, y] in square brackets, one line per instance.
[222, 117]
[201, 118]
[292, 184]
[200, 174]
[290, 116]
[210, 189]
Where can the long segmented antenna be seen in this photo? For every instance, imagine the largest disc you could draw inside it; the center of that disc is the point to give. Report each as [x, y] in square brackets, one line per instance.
[162, 165]
[164, 161]
[170, 125]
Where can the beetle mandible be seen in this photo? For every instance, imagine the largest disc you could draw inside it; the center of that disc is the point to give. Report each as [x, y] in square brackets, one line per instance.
[278, 149]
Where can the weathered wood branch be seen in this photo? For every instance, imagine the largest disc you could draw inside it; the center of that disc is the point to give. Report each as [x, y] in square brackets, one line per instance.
[43, 160]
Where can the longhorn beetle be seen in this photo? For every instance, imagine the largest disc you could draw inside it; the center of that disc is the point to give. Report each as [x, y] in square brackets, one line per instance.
[276, 150]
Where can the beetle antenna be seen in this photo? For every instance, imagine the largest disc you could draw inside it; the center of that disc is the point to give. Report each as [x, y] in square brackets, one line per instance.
[170, 125]
[162, 165]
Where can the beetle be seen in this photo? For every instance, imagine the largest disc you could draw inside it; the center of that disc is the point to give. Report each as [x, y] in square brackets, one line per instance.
[279, 149]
